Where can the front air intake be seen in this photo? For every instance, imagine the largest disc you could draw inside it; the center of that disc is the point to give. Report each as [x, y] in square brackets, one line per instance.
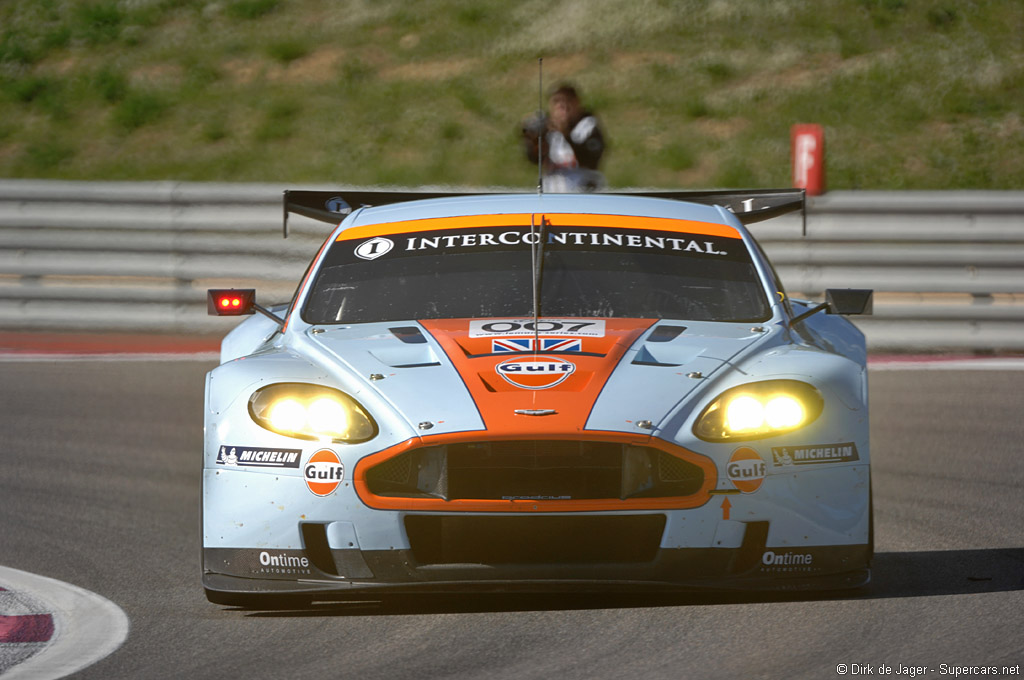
[535, 470]
[534, 540]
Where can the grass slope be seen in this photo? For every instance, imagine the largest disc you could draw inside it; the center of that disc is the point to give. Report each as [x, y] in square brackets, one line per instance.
[913, 94]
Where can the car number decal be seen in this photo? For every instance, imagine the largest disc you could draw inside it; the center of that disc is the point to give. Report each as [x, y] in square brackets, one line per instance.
[514, 327]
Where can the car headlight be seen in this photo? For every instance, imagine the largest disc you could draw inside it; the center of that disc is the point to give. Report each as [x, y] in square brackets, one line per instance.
[760, 409]
[311, 412]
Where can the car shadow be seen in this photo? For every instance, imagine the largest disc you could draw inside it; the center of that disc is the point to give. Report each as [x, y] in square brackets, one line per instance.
[894, 574]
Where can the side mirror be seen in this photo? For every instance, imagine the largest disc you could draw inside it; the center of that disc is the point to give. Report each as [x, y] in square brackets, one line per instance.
[841, 301]
[231, 302]
[237, 302]
[849, 301]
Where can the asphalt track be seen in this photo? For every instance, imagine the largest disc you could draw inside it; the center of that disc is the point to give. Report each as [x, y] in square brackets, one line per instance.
[99, 487]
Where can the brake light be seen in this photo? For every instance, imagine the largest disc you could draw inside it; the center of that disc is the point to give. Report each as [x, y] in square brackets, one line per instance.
[231, 302]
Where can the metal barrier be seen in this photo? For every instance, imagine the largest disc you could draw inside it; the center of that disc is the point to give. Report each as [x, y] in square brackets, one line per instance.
[947, 267]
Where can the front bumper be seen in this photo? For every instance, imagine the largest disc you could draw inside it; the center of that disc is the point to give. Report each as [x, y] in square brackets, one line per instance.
[541, 553]
[266, 536]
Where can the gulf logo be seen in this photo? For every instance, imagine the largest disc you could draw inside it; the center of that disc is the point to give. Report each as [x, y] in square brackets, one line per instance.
[746, 469]
[323, 472]
[535, 373]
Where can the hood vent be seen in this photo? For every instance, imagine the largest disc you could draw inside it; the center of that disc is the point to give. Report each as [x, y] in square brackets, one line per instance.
[666, 355]
[410, 335]
[665, 333]
[655, 353]
[409, 356]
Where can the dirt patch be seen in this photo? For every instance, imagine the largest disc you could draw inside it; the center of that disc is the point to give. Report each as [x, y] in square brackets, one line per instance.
[627, 61]
[915, 166]
[244, 71]
[160, 75]
[10, 152]
[722, 129]
[939, 129]
[429, 70]
[558, 68]
[319, 67]
[1010, 127]
[804, 76]
[66, 65]
[700, 175]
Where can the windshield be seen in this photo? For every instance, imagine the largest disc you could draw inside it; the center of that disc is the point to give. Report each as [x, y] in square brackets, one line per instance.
[589, 269]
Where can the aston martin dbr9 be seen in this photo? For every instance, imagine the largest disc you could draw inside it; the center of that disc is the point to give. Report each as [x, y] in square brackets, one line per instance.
[536, 391]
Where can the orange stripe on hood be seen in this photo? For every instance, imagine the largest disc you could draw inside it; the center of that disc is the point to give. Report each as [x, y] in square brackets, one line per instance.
[572, 398]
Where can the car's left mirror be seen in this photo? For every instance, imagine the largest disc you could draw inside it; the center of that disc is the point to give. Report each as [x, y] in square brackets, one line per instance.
[231, 302]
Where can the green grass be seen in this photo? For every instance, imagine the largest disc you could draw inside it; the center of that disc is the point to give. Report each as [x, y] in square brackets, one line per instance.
[913, 94]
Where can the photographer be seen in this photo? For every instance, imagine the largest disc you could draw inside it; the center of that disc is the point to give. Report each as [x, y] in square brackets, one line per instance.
[570, 141]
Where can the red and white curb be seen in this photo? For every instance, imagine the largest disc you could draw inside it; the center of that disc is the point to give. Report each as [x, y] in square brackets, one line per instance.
[51, 629]
[26, 628]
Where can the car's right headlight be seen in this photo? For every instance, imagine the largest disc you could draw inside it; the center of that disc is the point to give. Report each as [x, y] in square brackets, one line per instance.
[761, 409]
[312, 412]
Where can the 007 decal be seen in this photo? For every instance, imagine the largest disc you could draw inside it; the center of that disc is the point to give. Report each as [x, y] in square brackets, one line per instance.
[479, 328]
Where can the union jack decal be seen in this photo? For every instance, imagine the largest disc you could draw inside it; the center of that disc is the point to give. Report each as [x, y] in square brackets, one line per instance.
[499, 345]
[561, 345]
[511, 345]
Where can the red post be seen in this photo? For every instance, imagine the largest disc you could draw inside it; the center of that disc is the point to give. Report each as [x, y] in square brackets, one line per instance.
[808, 151]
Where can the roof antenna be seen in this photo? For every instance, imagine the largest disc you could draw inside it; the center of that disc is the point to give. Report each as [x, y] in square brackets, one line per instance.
[535, 264]
[533, 274]
[540, 115]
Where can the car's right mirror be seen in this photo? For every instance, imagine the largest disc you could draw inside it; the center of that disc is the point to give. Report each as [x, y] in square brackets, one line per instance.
[849, 301]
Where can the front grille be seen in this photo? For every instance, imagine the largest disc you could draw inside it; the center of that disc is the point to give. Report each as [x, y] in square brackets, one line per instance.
[535, 470]
[535, 540]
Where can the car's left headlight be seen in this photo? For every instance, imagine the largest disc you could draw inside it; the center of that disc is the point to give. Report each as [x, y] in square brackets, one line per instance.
[313, 412]
[760, 409]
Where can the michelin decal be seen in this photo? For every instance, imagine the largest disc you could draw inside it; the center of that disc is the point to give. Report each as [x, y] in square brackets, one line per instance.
[233, 456]
[817, 453]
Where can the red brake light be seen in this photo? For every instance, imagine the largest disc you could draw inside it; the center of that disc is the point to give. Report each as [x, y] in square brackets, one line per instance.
[231, 302]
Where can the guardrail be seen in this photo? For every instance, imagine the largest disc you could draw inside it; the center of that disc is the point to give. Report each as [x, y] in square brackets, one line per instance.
[947, 267]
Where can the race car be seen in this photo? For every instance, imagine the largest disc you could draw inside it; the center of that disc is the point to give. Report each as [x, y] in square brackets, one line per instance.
[536, 391]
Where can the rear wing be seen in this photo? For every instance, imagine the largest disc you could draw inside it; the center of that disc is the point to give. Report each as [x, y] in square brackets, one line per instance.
[749, 205]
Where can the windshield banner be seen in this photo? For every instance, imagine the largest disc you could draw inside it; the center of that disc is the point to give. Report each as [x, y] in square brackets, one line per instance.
[551, 238]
